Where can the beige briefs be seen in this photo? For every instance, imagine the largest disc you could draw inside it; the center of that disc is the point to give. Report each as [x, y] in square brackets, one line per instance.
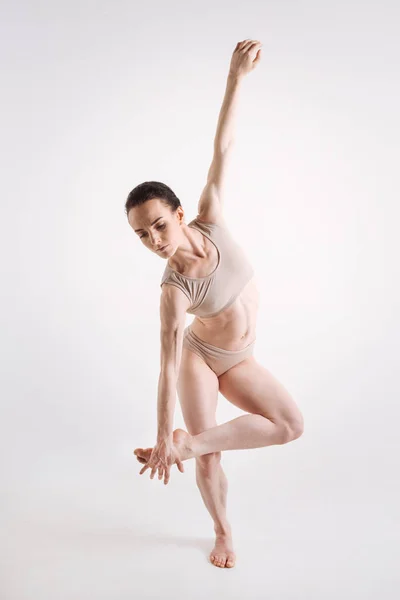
[218, 359]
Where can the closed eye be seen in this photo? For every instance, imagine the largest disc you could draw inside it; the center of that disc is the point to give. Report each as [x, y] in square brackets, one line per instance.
[159, 227]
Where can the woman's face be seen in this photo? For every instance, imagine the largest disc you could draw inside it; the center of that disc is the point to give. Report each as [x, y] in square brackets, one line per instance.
[157, 226]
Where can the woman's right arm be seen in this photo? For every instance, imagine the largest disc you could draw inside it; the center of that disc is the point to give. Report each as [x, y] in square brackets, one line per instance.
[173, 307]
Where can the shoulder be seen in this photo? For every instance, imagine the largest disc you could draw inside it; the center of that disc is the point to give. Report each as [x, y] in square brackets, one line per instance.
[173, 308]
[174, 303]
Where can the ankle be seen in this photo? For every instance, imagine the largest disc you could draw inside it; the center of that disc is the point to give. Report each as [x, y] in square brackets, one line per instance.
[223, 530]
[190, 448]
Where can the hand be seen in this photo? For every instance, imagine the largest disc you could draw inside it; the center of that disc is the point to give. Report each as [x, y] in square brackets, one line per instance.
[162, 457]
[245, 58]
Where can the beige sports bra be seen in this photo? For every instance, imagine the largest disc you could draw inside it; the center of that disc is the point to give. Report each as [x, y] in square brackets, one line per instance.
[212, 294]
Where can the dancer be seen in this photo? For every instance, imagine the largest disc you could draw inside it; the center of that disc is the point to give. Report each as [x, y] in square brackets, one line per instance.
[207, 274]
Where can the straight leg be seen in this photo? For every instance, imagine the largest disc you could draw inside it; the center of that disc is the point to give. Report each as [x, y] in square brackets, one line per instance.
[213, 485]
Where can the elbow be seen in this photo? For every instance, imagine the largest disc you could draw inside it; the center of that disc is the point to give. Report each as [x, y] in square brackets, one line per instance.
[222, 146]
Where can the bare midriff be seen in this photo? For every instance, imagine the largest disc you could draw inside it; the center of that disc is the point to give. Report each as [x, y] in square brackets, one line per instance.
[233, 328]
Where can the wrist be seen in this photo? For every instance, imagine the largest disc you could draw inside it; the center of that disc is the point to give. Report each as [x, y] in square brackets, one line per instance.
[234, 77]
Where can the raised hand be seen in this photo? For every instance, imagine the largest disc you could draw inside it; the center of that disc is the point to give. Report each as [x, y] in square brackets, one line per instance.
[245, 57]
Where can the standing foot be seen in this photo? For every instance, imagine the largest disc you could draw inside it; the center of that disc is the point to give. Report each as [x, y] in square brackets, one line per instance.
[222, 555]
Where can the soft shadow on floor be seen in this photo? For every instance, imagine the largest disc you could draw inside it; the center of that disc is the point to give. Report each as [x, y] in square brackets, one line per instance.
[135, 539]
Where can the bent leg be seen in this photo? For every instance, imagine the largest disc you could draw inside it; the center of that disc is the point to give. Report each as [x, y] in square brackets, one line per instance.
[273, 418]
[254, 389]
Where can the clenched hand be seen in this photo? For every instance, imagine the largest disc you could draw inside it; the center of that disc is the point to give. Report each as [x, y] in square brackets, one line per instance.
[245, 58]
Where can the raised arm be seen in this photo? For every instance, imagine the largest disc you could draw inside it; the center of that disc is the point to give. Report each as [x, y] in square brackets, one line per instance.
[225, 133]
[246, 56]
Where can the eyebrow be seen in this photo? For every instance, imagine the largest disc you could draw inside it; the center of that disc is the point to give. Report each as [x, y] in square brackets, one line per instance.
[136, 230]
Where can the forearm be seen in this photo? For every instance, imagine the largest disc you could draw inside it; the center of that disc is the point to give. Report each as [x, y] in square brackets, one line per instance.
[226, 122]
[166, 402]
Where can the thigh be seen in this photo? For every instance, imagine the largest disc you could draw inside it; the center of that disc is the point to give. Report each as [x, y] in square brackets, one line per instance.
[197, 389]
[252, 388]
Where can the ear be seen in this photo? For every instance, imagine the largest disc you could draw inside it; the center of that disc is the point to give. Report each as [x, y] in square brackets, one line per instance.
[180, 214]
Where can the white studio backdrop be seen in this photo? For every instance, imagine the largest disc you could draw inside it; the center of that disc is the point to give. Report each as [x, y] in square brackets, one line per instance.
[98, 97]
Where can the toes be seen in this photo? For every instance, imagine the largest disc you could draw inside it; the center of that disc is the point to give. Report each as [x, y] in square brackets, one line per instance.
[218, 561]
[223, 561]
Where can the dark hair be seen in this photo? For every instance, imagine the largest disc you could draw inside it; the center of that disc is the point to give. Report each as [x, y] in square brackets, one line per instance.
[147, 191]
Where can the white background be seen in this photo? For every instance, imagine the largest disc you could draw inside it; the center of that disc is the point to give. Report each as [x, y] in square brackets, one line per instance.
[98, 97]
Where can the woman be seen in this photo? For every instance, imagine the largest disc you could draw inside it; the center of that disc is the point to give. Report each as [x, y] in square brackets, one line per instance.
[208, 275]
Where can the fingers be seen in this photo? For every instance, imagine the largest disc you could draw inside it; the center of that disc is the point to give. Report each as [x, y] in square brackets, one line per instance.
[143, 469]
[151, 466]
[239, 45]
[257, 58]
[247, 45]
[179, 464]
[167, 474]
[153, 470]
[243, 43]
[156, 465]
[162, 471]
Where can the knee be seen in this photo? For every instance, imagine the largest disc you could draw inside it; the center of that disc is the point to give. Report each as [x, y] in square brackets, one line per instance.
[292, 429]
[208, 463]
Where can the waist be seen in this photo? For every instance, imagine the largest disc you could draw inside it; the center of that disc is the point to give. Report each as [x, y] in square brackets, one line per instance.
[221, 340]
[235, 327]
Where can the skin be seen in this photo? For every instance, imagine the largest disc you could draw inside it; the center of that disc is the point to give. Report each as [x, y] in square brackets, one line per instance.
[272, 416]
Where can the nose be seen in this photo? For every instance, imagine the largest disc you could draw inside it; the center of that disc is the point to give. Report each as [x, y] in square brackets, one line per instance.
[155, 242]
[157, 245]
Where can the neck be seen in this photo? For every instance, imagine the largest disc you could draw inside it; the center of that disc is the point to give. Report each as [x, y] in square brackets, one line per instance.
[189, 250]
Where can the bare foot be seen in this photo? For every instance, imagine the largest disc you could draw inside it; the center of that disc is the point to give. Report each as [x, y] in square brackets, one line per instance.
[182, 447]
[143, 454]
[222, 554]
